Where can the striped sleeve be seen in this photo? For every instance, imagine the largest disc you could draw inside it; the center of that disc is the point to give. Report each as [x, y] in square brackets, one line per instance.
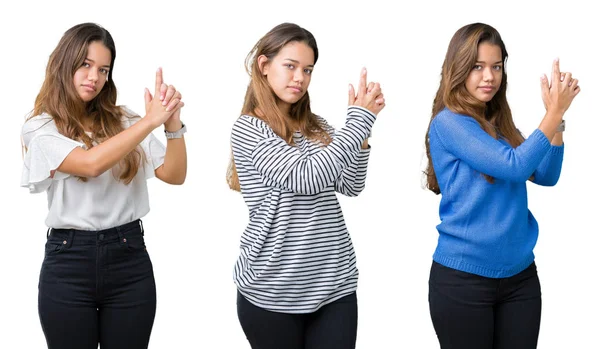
[354, 177]
[283, 165]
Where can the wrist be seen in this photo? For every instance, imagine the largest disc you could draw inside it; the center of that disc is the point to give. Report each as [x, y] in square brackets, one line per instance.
[561, 127]
[147, 123]
[173, 126]
[555, 114]
[176, 134]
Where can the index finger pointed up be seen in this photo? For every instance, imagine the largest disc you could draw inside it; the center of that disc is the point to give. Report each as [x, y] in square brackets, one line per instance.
[159, 81]
[555, 72]
[362, 82]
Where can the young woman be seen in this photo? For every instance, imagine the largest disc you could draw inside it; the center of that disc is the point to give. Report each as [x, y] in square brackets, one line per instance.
[296, 274]
[93, 158]
[484, 291]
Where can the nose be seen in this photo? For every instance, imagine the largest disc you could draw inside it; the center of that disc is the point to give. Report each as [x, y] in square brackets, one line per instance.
[93, 74]
[299, 75]
[488, 74]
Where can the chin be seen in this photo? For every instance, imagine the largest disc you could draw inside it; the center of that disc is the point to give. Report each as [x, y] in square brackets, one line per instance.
[485, 98]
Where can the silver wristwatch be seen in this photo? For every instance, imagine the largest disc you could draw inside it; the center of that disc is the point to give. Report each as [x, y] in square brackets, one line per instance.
[561, 126]
[176, 134]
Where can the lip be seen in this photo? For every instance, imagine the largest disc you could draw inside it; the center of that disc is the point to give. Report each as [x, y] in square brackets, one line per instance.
[295, 89]
[89, 88]
[487, 88]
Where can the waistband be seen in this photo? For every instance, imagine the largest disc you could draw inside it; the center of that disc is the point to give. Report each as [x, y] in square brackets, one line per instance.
[93, 236]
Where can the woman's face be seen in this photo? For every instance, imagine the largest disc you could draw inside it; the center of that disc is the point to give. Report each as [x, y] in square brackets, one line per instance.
[486, 76]
[289, 72]
[90, 78]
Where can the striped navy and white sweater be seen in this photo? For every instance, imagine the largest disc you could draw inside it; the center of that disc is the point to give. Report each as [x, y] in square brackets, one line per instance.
[296, 254]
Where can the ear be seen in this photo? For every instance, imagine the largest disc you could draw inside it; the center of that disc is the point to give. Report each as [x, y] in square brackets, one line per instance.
[263, 63]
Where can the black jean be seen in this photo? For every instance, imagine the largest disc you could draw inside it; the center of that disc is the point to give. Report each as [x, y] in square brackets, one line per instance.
[472, 311]
[333, 326]
[97, 287]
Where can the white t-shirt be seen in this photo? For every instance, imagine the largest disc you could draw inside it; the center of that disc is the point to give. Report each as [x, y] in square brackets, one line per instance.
[100, 203]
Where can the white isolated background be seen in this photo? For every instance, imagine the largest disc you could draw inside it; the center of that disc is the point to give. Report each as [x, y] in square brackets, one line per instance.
[193, 231]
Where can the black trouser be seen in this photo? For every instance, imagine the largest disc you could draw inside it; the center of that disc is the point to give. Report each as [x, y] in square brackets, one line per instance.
[97, 287]
[333, 326]
[472, 311]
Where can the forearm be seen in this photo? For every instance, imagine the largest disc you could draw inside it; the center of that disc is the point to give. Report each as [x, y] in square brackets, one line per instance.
[353, 178]
[557, 139]
[100, 158]
[175, 166]
[548, 172]
[550, 123]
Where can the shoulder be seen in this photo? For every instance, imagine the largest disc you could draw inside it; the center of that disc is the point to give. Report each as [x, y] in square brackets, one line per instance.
[39, 124]
[446, 118]
[245, 123]
[447, 115]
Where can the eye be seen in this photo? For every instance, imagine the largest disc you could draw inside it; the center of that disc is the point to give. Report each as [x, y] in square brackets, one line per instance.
[308, 71]
[85, 64]
[290, 66]
[104, 71]
[477, 67]
[498, 67]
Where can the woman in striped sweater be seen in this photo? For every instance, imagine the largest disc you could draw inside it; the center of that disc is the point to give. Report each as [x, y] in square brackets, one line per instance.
[296, 274]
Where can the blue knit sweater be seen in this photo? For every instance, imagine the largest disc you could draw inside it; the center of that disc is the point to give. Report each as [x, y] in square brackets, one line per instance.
[487, 229]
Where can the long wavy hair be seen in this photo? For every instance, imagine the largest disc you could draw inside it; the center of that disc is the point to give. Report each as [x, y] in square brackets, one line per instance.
[494, 117]
[261, 100]
[59, 98]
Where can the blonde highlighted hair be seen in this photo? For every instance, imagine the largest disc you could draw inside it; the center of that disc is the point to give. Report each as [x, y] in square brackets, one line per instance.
[60, 100]
[494, 117]
[261, 101]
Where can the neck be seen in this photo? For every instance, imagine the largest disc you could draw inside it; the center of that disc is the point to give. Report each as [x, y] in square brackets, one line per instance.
[284, 107]
[88, 123]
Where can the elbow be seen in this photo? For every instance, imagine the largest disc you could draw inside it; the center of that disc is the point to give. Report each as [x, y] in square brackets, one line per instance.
[92, 170]
[350, 194]
[546, 179]
[176, 180]
[353, 193]
[92, 167]
[547, 182]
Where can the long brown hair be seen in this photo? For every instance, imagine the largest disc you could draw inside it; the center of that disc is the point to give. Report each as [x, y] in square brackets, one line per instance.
[261, 101]
[495, 116]
[60, 100]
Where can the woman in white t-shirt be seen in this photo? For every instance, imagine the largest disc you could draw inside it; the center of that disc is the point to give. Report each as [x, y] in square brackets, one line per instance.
[93, 158]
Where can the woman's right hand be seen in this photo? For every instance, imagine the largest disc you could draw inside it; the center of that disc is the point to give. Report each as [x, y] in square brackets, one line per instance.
[369, 97]
[558, 94]
[166, 103]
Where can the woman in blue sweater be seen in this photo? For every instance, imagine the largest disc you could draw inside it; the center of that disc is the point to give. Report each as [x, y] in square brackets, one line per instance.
[484, 291]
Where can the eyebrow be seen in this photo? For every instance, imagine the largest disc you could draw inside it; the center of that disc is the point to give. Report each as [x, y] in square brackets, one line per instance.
[499, 62]
[91, 60]
[297, 62]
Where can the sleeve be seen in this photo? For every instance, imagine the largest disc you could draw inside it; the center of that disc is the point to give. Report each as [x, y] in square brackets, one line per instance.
[464, 138]
[283, 165]
[548, 172]
[154, 152]
[46, 149]
[353, 178]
